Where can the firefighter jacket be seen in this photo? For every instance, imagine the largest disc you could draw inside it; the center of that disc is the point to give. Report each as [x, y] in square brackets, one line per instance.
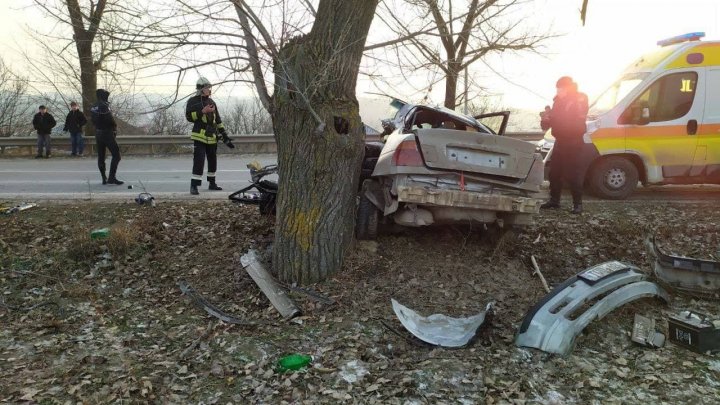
[205, 126]
[567, 118]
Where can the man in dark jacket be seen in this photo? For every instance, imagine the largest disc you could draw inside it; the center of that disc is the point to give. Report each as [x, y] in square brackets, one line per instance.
[43, 122]
[567, 120]
[105, 133]
[202, 111]
[74, 122]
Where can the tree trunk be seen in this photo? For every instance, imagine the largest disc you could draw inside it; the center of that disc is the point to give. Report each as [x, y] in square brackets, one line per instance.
[451, 82]
[88, 80]
[315, 78]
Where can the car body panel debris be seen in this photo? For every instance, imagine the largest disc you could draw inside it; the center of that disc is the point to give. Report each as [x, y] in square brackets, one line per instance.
[265, 194]
[211, 309]
[644, 333]
[553, 324]
[439, 329]
[17, 208]
[694, 331]
[685, 274]
[277, 296]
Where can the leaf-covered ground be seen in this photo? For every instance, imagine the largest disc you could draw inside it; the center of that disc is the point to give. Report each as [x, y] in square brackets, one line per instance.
[103, 321]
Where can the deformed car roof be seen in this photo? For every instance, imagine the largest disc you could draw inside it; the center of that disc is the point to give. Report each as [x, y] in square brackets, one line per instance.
[407, 108]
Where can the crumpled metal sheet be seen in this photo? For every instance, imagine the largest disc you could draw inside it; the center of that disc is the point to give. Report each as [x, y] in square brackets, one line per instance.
[439, 329]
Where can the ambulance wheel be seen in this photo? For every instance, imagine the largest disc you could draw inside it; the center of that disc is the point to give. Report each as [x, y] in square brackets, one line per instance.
[614, 178]
[366, 223]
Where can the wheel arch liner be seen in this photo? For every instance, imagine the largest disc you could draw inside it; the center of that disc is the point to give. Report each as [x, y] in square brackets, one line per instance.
[554, 323]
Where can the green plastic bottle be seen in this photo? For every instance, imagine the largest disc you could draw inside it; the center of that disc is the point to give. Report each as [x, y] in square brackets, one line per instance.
[294, 362]
[100, 233]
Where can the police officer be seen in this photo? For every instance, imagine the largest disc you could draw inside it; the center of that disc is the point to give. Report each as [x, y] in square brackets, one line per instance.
[105, 133]
[202, 111]
[567, 119]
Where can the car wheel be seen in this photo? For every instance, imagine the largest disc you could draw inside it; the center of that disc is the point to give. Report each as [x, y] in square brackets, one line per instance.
[614, 178]
[366, 224]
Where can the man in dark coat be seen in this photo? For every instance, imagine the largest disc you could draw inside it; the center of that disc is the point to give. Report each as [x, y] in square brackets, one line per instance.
[43, 122]
[567, 120]
[105, 133]
[74, 122]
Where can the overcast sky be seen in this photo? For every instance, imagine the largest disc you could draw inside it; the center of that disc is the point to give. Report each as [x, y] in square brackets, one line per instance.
[616, 32]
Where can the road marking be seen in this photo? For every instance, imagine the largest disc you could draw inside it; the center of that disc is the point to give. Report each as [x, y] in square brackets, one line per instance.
[119, 172]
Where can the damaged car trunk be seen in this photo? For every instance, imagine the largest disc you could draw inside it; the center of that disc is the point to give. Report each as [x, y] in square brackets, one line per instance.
[439, 167]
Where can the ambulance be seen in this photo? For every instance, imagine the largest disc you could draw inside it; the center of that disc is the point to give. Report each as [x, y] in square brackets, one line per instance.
[659, 123]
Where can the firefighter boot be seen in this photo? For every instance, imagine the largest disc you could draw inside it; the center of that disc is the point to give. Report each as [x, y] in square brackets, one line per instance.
[577, 209]
[194, 190]
[213, 186]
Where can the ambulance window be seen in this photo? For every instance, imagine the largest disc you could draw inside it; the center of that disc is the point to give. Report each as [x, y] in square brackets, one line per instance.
[670, 97]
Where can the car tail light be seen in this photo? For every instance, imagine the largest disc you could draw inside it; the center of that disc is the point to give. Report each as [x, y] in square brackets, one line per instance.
[407, 154]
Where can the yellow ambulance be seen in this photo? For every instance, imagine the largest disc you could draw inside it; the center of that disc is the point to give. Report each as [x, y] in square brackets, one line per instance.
[659, 123]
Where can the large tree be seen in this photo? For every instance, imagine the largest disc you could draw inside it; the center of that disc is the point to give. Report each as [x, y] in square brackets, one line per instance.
[319, 134]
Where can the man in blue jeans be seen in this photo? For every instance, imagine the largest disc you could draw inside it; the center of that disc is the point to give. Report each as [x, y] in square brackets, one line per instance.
[74, 122]
[43, 122]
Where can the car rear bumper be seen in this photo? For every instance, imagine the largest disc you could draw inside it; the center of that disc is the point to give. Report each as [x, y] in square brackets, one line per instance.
[468, 199]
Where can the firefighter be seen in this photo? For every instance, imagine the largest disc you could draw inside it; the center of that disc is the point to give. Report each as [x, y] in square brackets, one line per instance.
[202, 111]
[567, 119]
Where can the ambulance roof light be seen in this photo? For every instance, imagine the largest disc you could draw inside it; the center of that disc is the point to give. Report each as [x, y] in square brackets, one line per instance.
[692, 36]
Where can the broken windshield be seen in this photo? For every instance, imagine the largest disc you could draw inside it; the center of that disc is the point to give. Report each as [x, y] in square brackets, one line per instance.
[610, 97]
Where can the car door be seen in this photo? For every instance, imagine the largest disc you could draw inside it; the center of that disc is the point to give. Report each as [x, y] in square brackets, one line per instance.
[665, 136]
[709, 133]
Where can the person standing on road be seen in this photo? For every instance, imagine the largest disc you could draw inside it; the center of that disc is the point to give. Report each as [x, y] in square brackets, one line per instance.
[43, 122]
[105, 133]
[567, 119]
[74, 122]
[202, 111]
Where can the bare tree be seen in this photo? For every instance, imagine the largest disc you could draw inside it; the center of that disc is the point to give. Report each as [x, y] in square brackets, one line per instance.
[247, 117]
[449, 37]
[15, 106]
[167, 121]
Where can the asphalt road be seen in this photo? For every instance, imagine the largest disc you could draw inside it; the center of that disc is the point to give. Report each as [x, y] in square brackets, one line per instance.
[166, 177]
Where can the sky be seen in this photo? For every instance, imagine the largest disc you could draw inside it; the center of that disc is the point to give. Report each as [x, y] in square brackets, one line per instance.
[616, 32]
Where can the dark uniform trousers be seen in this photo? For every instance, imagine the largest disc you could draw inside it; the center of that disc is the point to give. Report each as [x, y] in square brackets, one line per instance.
[106, 139]
[566, 168]
[202, 150]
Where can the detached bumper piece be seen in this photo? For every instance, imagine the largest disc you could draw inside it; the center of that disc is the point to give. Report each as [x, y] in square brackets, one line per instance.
[468, 199]
[554, 323]
[693, 276]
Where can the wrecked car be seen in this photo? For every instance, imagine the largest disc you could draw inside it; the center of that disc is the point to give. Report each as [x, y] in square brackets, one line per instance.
[437, 166]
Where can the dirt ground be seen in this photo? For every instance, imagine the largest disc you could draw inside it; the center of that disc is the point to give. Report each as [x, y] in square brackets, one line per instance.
[103, 321]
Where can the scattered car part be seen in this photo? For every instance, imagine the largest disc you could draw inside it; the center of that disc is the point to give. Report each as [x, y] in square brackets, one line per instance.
[644, 332]
[145, 198]
[554, 323]
[18, 208]
[211, 309]
[439, 329]
[266, 195]
[277, 296]
[685, 274]
[694, 331]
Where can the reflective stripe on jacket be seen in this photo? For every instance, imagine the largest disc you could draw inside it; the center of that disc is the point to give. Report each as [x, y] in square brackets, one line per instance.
[205, 126]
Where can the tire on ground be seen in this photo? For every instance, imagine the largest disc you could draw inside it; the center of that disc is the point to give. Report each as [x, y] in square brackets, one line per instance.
[366, 223]
[613, 178]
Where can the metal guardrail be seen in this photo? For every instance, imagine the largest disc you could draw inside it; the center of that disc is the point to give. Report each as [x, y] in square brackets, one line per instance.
[125, 140]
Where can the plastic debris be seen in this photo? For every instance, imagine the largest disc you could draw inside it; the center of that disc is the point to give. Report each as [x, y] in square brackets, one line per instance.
[18, 208]
[293, 362]
[644, 333]
[102, 233]
[439, 329]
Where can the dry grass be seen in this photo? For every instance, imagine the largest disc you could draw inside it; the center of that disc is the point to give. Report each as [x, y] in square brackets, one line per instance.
[122, 240]
[81, 248]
